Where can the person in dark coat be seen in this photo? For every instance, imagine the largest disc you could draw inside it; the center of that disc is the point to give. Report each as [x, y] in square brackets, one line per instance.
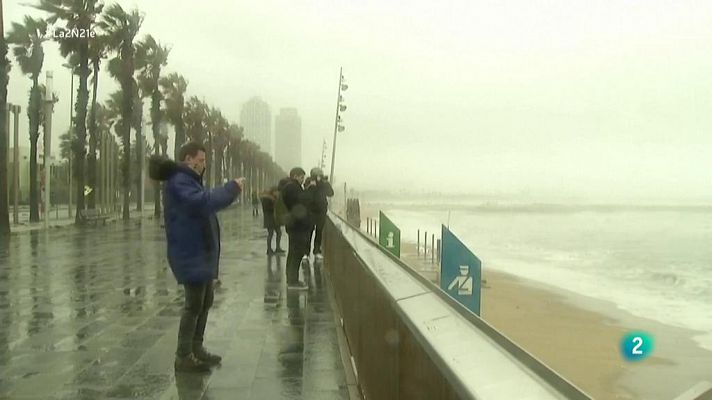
[193, 238]
[319, 206]
[298, 224]
[255, 204]
[280, 210]
[269, 199]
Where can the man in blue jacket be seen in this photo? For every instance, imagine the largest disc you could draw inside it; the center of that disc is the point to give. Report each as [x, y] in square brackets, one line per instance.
[193, 236]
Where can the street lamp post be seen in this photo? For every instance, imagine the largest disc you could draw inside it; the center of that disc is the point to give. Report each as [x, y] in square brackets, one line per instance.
[322, 162]
[104, 166]
[8, 109]
[49, 102]
[338, 127]
[16, 165]
[71, 137]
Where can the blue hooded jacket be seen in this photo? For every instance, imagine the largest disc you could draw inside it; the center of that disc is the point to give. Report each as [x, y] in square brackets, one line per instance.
[191, 223]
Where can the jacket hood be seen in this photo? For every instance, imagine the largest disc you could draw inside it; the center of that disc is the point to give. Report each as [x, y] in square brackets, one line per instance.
[161, 168]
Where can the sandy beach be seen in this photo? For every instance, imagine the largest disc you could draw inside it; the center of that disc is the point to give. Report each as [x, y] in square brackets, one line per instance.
[550, 329]
[579, 336]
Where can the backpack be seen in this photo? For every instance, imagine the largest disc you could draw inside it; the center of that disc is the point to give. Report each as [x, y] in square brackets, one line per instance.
[280, 211]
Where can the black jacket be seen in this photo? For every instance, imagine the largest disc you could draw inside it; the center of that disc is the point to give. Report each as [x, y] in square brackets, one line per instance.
[268, 203]
[319, 193]
[298, 202]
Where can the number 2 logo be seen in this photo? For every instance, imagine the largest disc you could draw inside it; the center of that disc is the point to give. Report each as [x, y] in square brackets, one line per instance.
[637, 346]
[638, 343]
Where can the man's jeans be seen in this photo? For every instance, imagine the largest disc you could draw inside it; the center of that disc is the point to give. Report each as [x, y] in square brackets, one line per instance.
[198, 300]
[319, 229]
[298, 248]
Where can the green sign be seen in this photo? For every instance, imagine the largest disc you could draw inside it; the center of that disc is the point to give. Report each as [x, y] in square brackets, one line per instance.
[388, 235]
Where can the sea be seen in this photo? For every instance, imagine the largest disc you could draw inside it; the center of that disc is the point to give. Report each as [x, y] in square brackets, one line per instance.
[652, 261]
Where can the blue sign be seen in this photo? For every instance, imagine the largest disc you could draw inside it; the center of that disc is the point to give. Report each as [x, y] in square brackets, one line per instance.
[460, 272]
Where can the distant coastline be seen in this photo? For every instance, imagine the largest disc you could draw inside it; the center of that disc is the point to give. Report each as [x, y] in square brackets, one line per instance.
[503, 206]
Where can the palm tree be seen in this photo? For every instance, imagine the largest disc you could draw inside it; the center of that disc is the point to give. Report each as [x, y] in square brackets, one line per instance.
[195, 120]
[113, 116]
[28, 38]
[236, 134]
[121, 29]
[164, 135]
[137, 125]
[113, 111]
[150, 58]
[65, 145]
[174, 87]
[100, 126]
[65, 152]
[215, 122]
[247, 154]
[97, 52]
[77, 15]
[220, 141]
[4, 78]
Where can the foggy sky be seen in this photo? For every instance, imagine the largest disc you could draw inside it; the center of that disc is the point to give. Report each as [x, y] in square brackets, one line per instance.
[541, 99]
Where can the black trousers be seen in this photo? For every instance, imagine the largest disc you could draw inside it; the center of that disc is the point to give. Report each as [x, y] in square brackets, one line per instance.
[198, 300]
[298, 248]
[319, 229]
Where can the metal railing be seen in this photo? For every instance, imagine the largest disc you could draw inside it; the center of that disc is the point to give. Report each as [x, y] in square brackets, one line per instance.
[409, 340]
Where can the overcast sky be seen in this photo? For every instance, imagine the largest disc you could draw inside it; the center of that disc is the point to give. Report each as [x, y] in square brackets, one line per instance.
[546, 99]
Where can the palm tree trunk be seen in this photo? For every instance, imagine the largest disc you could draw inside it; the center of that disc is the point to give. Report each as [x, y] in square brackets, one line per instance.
[140, 148]
[209, 161]
[126, 169]
[80, 122]
[219, 168]
[4, 134]
[93, 140]
[156, 124]
[126, 111]
[33, 114]
[180, 138]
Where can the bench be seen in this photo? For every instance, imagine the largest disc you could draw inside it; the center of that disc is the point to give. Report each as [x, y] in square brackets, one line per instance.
[93, 216]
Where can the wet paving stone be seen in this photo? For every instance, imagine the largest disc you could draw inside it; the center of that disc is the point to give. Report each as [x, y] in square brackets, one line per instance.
[93, 314]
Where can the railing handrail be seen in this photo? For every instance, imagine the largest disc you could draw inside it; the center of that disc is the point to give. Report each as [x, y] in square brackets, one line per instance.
[701, 391]
[549, 378]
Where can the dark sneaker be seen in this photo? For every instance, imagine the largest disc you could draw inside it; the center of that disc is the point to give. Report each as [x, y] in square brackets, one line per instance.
[190, 363]
[205, 356]
[298, 286]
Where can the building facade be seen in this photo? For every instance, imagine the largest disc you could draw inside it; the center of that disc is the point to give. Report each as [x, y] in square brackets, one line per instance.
[256, 118]
[288, 139]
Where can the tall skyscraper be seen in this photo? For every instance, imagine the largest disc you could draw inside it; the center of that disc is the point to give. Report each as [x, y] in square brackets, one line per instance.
[256, 118]
[288, 139]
